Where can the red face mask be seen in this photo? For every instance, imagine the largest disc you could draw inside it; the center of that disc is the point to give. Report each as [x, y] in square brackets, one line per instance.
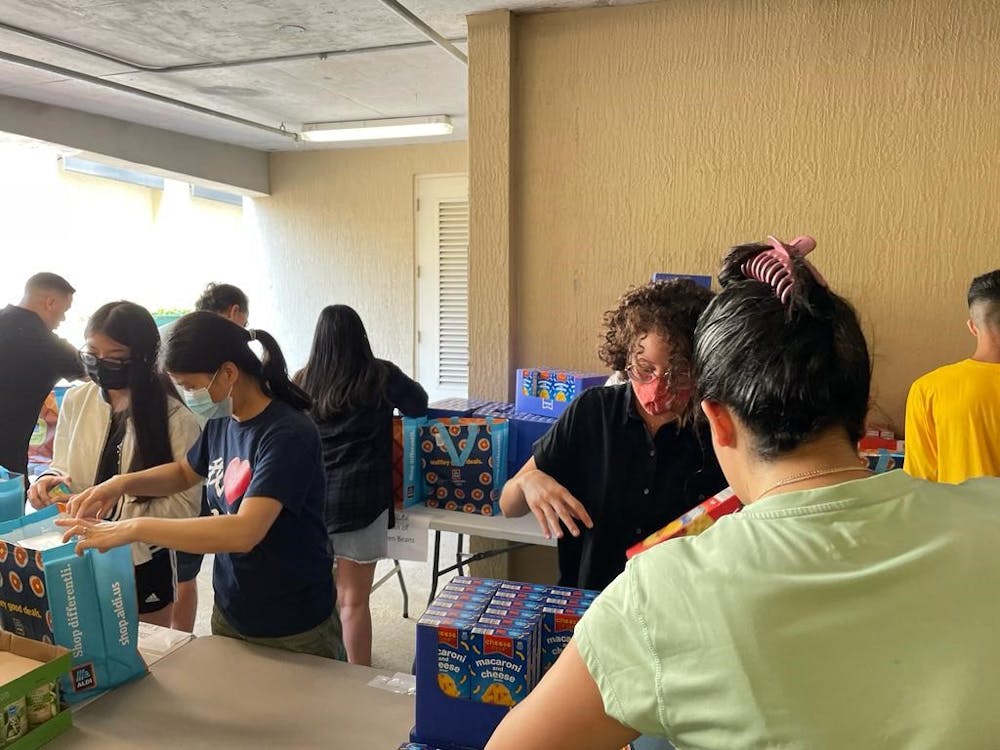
[656, 398]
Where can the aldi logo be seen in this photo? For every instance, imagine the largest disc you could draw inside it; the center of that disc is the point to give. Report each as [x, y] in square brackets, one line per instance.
[83, 677]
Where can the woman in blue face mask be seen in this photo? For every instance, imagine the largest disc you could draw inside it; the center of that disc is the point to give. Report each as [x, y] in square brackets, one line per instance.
[128, 418]
[264, 478]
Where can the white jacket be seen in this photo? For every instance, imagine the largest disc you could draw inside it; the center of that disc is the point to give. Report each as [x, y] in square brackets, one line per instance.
[82, 429]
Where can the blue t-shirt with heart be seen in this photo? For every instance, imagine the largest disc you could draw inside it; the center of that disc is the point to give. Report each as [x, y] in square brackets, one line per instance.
[284, 585]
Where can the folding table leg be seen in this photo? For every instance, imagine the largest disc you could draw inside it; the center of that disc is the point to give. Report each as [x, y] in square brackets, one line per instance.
[435, 566]
[402, 590]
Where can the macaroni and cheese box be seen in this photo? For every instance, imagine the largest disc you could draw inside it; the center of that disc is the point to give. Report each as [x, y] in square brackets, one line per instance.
[558, 625]
[481, 646]
[547, 392]
[693, 522]
[453, 668]
[504, 661]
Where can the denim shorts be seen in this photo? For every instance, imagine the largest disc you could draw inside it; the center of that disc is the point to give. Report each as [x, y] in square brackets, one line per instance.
[367, 545]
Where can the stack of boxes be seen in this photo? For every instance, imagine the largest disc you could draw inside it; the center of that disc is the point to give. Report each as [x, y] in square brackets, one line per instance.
[547, 392]
[525, 430]
[482, 646]
[881, 449]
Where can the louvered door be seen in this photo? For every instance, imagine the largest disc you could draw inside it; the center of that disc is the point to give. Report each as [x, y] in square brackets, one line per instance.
[443, 285]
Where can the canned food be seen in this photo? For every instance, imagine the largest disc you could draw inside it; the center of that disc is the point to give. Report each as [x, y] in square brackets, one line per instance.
[15, 722]
[42, 704]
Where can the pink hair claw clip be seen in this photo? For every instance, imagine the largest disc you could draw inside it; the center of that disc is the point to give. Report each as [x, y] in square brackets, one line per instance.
[774, 266]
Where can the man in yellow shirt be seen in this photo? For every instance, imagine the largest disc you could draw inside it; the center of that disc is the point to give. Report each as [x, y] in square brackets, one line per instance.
[953, 413]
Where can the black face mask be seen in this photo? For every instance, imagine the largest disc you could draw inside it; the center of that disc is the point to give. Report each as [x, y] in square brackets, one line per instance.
[108, 378]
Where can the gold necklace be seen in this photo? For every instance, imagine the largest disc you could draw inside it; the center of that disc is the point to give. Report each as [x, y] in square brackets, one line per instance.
[811, 475]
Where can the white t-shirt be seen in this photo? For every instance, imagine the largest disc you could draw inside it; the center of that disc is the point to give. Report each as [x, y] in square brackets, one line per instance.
[863, 615]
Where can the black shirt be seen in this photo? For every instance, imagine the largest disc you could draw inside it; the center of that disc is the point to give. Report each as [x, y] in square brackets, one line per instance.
[32, 359]
[357, 453]
[631, 483]
[110, 461]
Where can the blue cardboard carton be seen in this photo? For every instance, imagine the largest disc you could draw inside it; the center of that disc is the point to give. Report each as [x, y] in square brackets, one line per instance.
[456, 407]
[472, 669]
[705, 281]
[547, 392]
[523, 432]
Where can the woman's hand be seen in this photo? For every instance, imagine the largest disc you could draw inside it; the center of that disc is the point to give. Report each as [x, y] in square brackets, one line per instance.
[95, 534]
[96, 501]
[551, 503]
[38, 493]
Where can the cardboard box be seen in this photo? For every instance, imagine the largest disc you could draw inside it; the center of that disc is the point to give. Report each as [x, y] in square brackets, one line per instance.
[501, 652]
[29, 693]
[547, 392]
[883, 460]
[397, 462]
[693, 522]
[457, 407]
[705, 281]
[524, 431]
[505, 660]
[877, 442]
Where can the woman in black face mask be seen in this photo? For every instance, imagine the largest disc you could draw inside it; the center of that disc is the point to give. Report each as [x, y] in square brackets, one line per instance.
[127, 419]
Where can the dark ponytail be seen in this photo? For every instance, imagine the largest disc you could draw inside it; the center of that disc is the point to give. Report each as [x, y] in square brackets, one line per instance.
[274, 372]
[132, 325]
[201, 341]
[791, 369]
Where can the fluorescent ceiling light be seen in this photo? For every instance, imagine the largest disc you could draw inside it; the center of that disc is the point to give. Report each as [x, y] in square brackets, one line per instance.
[374, 130]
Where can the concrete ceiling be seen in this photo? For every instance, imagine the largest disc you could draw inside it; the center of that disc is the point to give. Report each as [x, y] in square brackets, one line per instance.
[401, 82]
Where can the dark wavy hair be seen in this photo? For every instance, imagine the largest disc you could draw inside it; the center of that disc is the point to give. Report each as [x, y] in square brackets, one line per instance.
[342, 374]
[670, 308]
[132, 325]
[788, 371]
[202, 341]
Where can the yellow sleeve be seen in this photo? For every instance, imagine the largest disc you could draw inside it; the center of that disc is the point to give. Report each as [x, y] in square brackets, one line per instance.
[921, 459]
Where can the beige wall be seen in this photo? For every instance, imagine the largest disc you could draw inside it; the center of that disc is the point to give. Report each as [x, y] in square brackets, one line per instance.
[111, 239]
[338, 228]
[652, 137]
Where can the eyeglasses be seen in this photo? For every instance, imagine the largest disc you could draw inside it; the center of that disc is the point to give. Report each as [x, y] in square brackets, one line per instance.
[677, 376]
[90, 359]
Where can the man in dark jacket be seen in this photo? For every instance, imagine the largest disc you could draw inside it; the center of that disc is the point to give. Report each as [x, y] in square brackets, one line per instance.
[32, 359]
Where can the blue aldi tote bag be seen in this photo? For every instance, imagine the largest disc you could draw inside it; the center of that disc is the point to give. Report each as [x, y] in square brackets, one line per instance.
[456, 463]
[84, 603]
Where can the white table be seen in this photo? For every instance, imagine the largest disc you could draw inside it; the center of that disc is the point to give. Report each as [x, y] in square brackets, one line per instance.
[519, 531]
[217, 692]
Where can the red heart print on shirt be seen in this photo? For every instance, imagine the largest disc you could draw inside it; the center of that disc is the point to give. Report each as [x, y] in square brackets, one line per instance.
[236, 479]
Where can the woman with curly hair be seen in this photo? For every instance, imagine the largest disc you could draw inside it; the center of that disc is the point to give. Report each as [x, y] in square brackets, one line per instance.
[624, 460]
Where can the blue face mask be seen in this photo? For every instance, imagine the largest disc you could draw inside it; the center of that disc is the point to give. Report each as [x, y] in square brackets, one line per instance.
[200, 402]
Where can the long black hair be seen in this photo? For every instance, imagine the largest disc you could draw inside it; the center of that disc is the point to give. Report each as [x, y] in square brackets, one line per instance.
[789, 371]
[202, 341]
[342, 374]
[131, 325]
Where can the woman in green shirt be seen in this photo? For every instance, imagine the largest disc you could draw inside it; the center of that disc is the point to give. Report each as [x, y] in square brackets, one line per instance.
[837, 610]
